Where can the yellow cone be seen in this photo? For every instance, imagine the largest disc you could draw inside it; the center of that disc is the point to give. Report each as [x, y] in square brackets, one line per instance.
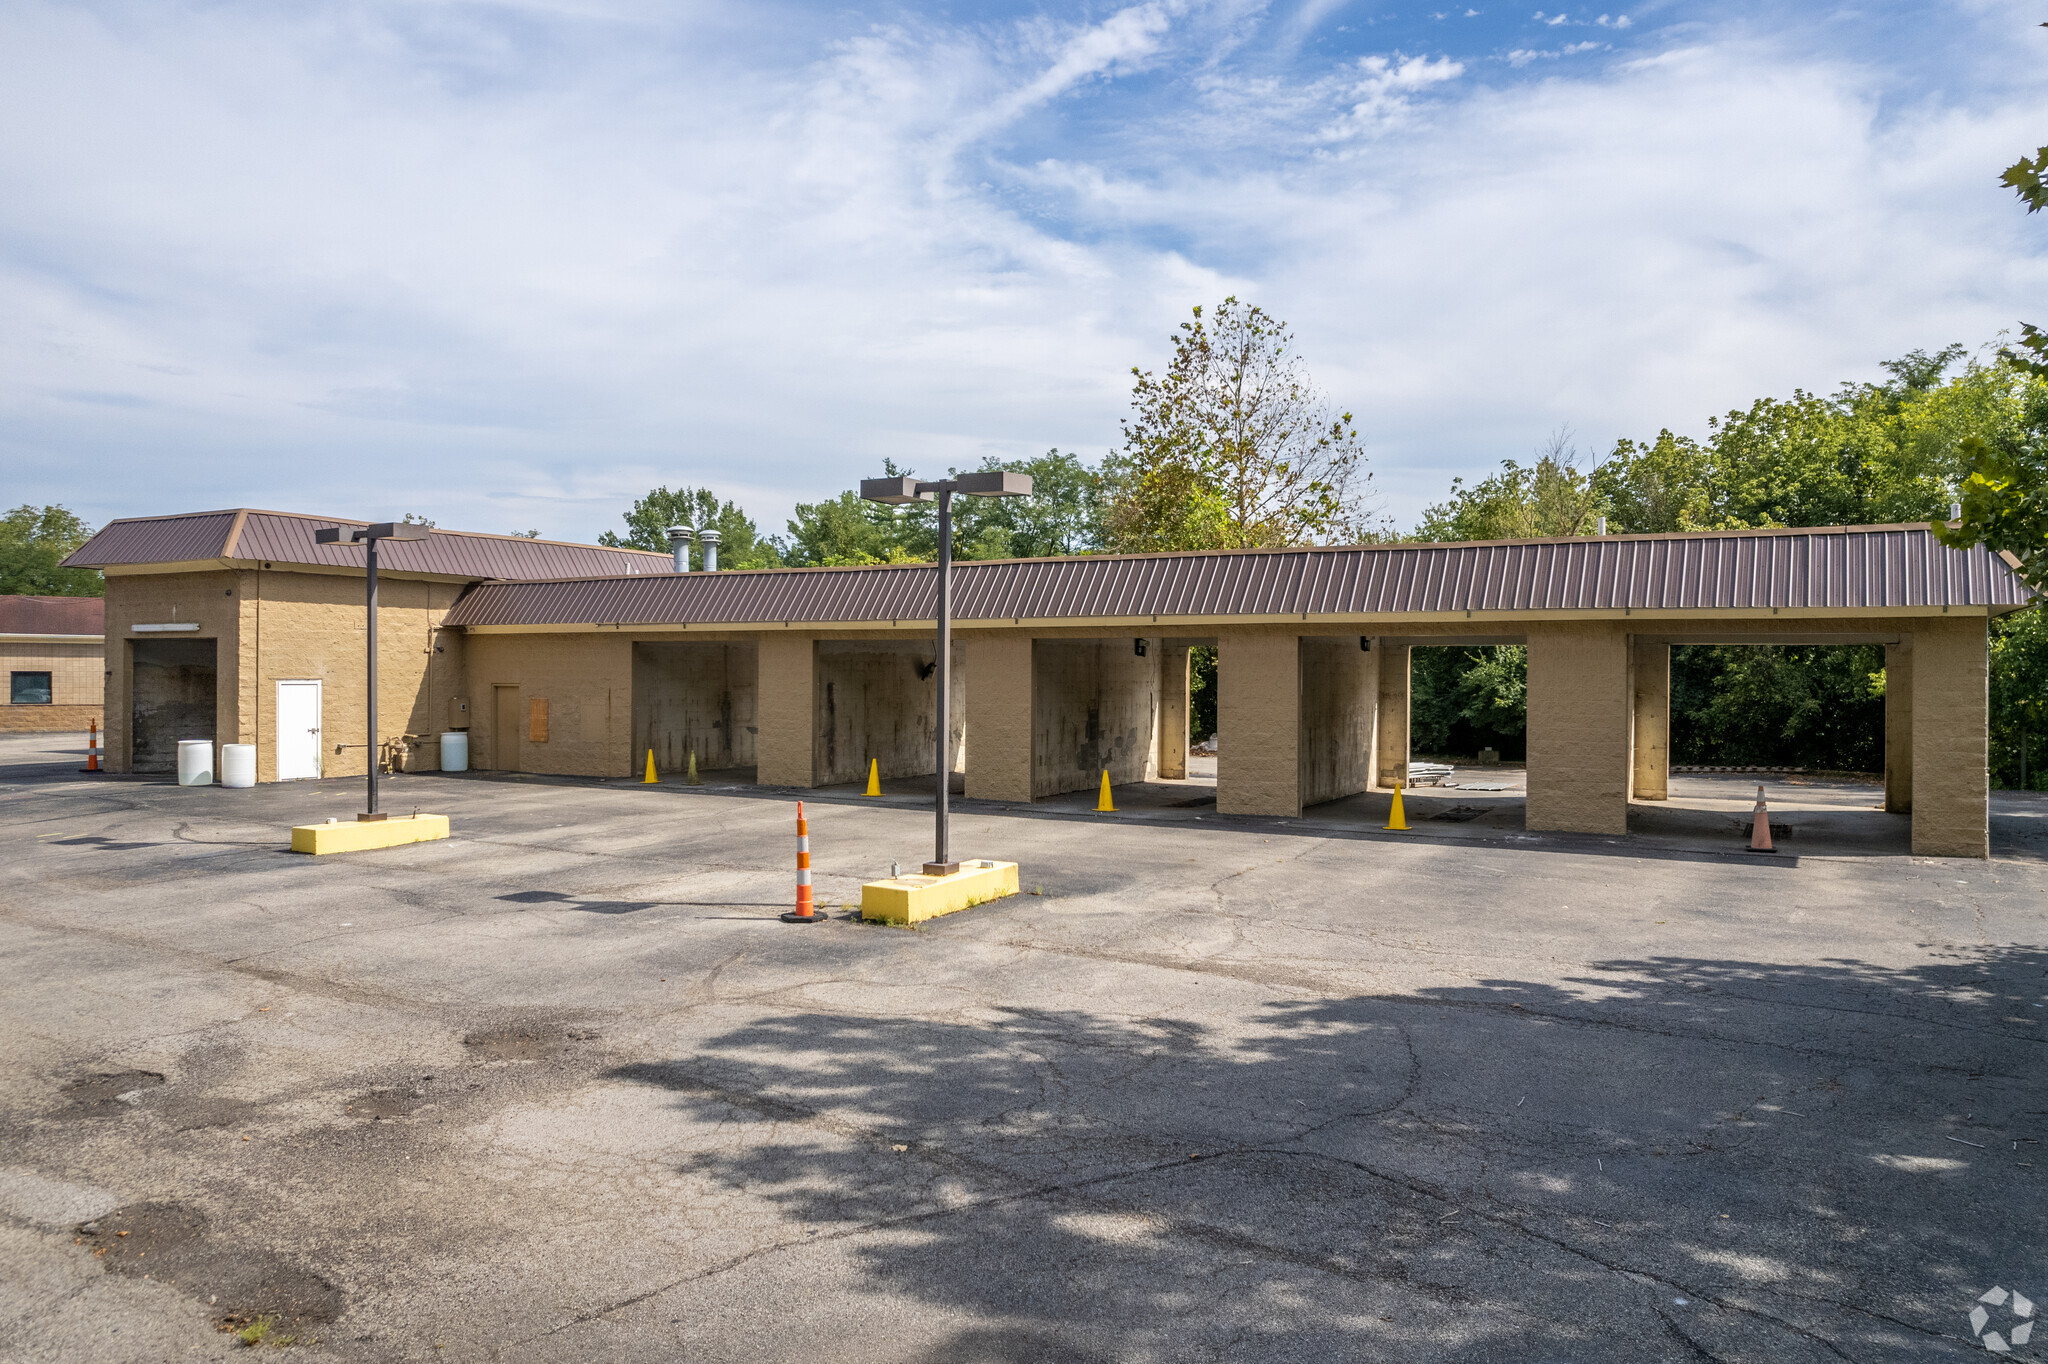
[650, 778]
[692, 779]
[1103, 804]
[874, 778]
[1397, 820]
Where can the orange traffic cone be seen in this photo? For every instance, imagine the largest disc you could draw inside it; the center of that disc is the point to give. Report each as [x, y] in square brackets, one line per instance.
[92, 748]
[803, 913]
[1760, 827]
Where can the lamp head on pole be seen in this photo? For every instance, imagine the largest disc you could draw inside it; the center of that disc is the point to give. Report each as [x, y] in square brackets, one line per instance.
[984, 483]
[383, 530]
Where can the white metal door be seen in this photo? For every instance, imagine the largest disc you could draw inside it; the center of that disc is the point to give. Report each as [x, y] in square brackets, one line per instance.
[298, 730]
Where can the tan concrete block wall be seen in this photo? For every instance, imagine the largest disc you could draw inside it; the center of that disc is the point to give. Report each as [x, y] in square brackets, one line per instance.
[213, 601]
[1095, 708]
[1339, 693]
[312, 626]
[78, 672]
[51, 719]
[587, 682]
[699, 698]
[871, 705]
[785, 710]
[1650, 756]
[1390, 719]
[1951, 712]
[1579, 707]
[1172, 762]
[999, 713]
[1258, 722]
[1898, 727]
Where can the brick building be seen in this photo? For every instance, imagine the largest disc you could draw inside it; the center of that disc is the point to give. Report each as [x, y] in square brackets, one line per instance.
[577, 660]
[53, 651]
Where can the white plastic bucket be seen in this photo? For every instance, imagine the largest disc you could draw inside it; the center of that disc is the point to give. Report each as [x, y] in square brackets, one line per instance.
[195, 762]
[455, 751]
[238, 764]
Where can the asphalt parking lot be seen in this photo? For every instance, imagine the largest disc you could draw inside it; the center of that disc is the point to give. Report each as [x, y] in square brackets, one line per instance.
[564, 1089]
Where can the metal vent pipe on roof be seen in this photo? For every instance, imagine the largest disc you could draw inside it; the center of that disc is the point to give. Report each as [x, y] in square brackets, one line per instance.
[709, 539]
[679, 546]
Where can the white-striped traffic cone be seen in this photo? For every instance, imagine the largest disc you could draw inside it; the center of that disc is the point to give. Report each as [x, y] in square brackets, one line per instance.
[803, 914]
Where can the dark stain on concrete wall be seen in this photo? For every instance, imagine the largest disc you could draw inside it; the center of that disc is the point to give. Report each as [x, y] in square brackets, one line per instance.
[174, 698]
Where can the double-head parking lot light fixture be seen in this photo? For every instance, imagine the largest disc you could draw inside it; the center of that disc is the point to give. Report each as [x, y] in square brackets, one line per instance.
[368, 536]
[896, 492]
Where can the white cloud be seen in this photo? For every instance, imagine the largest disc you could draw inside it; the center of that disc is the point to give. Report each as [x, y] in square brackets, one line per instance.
[375, 260]
[1384, 92]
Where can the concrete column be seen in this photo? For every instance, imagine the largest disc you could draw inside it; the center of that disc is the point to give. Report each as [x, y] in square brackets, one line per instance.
[1951, 711]
[1578, 730]
[1173, 713]
[1339, 686]
[784, 710]
[1651, 667]
[999, 705]
[1258, 723]
[1898, 727]
[1390, 741]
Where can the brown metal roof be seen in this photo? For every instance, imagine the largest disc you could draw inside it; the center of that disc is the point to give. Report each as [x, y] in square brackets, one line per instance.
[25, 615]
[1839, 568]
[285, 537]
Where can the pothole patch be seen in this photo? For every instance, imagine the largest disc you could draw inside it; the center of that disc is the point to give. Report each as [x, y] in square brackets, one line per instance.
[170, 1243]
[109, 1094]
[383, 1104]
[523, 1042]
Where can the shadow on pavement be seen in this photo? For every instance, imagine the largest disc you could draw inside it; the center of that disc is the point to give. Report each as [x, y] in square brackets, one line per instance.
[1668, 1158]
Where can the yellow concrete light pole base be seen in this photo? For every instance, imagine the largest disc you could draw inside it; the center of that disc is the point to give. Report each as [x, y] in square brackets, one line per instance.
[1103, 804]
[874, 778]
[354, 836]
[650, 779]
[912, 899]
[1398, 819]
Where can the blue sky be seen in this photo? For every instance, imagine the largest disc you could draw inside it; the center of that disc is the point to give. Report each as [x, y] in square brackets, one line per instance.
[510, 264]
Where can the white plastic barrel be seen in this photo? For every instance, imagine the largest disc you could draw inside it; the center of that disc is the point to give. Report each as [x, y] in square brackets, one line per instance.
[455, 751]
[195, 762]
[238, 764]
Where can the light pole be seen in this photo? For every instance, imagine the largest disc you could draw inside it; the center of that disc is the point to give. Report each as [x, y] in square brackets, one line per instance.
[368, 536]
[897, 491]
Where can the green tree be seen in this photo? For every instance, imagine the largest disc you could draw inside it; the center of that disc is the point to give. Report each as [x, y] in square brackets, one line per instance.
[1062, 516]
[2019, 700]
[1889, 451]
[2028, 178]
[1463, 700]
[1779, 705]
[1233, 447]
[1553, 496]
[33, 542]
[1663, 485]
[740, 542]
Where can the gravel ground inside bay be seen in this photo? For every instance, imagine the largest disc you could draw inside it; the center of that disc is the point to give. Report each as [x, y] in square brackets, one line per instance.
[564, 1087]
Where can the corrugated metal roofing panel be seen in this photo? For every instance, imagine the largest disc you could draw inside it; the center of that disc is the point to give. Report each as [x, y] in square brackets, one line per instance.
[1717, 571]
[30, 615]
[155, 540]
[285, 537]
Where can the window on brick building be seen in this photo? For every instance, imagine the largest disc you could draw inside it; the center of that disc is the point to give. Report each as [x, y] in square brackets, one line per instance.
[30, 689]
